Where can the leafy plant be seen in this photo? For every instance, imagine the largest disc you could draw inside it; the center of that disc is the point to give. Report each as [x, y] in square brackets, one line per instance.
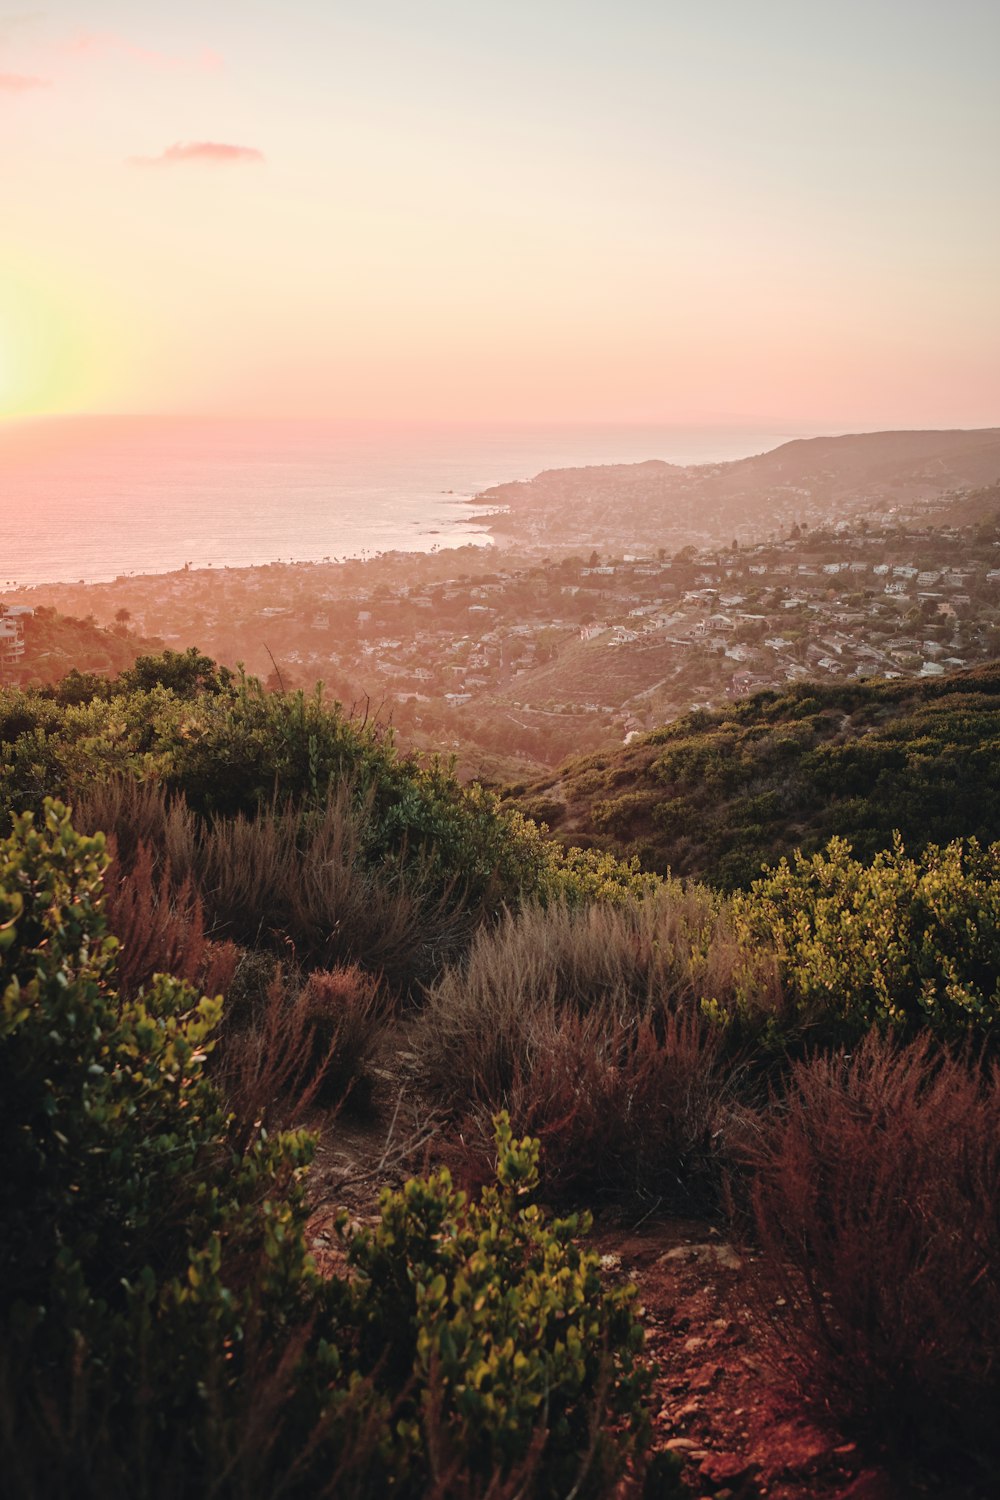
[497, 1328]
[900, 943]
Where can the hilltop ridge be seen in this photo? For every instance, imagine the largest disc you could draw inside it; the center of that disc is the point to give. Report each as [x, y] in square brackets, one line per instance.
[817, 480]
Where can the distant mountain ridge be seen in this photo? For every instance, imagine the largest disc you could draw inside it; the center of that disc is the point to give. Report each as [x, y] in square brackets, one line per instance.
[812, 479]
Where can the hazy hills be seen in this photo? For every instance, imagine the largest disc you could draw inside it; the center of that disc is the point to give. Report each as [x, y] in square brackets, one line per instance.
[717, 794]
[807, 479]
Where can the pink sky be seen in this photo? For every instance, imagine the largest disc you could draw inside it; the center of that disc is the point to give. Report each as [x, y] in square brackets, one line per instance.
[546, 210]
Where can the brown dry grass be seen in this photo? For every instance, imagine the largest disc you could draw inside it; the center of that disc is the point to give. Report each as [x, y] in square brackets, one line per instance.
[303, 886]
[876, 1205]
[309, 1042]
[587, 1024]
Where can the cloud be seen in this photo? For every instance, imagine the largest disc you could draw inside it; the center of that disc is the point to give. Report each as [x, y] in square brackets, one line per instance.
[20, 83]
[214, 152]
[103, 43]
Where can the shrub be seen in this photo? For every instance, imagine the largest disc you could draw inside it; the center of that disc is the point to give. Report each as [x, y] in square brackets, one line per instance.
[140, 1256]
[673, 949]
[624, 1106]
[298, 882]
[160, 929]
[876, 1203]
[590, 1025]
[163, 1329]
[899, 943]
[497, 1329]
[303, 1042]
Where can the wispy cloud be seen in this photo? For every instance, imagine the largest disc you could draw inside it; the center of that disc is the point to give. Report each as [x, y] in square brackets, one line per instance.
[212, 152]
[21, 83]
[104, 43]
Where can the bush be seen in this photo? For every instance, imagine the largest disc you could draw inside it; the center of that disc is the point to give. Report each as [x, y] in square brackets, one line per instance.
[516, 1359]
[141, 1261]
[625, 1107]
[675, 948]
[302, 1042]
[900, 943]
[876, 1204]
[164, 1330]
[294, 881]
[589, 1024]
[160, 928]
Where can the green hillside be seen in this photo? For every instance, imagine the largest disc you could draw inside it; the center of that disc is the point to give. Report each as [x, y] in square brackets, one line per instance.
[718, 794]
[57, 644]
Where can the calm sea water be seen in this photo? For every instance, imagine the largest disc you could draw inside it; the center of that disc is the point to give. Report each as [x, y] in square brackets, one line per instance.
[92, 498]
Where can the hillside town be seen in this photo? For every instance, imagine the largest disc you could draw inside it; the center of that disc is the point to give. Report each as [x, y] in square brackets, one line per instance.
[492, 654]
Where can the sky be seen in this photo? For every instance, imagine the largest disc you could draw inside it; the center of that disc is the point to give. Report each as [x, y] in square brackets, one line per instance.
[534, 210]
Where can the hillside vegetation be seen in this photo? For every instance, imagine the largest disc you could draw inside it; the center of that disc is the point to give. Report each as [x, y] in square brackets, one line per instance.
[717, 795]
[223, 910]
[57, 645]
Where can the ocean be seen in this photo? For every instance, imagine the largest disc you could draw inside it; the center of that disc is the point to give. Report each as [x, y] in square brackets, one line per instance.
[91, 498]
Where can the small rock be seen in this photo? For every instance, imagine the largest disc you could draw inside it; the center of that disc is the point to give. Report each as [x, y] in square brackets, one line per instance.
[691, 1344]
[706, 1378]
[727, 1257]
[723, 1255]
[680, 1445]
[727, 1469]
[805, 1448]
[611, 1262]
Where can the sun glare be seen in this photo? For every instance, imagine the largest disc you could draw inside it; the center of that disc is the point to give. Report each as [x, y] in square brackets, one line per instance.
[41, 354]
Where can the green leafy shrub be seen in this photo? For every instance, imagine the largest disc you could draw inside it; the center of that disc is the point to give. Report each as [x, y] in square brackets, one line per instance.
[139, 1251]
[498, 1326]
[901, 942]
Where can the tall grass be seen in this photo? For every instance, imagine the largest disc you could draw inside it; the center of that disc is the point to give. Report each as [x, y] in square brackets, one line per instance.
[670, 951]
[306, 1041]
[588, 1024]
[160, 927]
[301, 883]
[876, 1204]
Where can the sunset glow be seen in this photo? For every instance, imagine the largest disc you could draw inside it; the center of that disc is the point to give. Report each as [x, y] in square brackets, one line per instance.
[545, 211]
